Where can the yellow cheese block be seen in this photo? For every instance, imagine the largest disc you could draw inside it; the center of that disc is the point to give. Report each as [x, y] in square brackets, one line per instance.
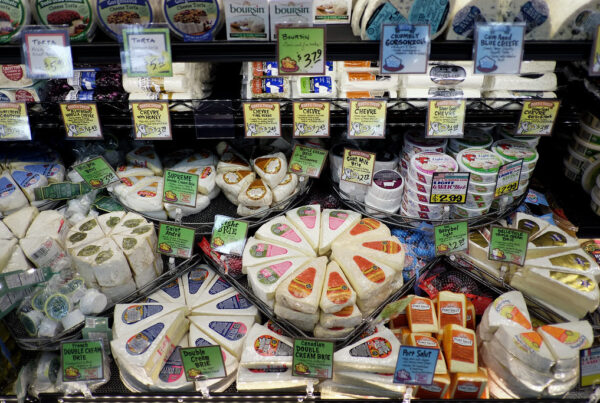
[471, 316]
[418, 340]
[437, 390]
[467, 386]
[421, 316]
[460, 349]
[451, 309]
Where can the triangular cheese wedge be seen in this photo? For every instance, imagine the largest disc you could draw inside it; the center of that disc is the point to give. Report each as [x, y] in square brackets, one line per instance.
[110, 220]
[575, 261]
[50, 223]
[387, 250]
[509, 309]
[337, 293]
[230, 304]
[418, 340]
[301, 291]
[265, 279]
[282, 232]
[17, 261]
[350, 316]
[201, 158]
[257, 252]
[172, 376]
[229, 332]
[566, 339]
[321, 332]
[302, 320]
[375, 353]
[129, 318]
[145, 156]
[170, 293]
[368, 277]
[308, 221]
[533, 225]
[367, 229]
[19, 221]
[84, 232]
[199, 338]
[266, 349]
[232, 161]
[129, 222]
[195, 282]
[5, 233]
[271, 168]
[216, 288]
[550, 241]
[528, 347]
[333, 224]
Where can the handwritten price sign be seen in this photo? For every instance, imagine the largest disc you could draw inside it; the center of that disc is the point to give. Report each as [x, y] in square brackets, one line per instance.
[81, 121]
[538, 117]
[301, 50]
[47, 53]
[147, 52]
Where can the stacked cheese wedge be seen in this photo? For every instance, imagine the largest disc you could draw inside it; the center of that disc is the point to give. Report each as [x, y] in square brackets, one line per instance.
[196, 310]
[527, 362]
[316, 294]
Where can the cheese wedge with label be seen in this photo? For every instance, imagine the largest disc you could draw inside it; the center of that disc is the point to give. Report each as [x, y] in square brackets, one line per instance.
[128, 223]
[6, 251]
[170, 293]
[84, 232]
[575, 261]
[129, 170]
[206, 177]
[232, 161]
[528, 347]
[19, 221]
[307, 219]
[269, 380]
[509, 309]
[233, 182]
[468, 386]
[471, 316]
[367, 229]
[264, 279]
[337, 293]
[45, 251]
[256, 194]
[350, 316]
[451, 309]
[229, 304]
[417, 340]
[550, 241]
[301, 291]
[49, 223]
[145, 156]
[286, 188]
[110, 220]
[266, 349]
[195, 282]
[387, 250]
[229, 332]
[130, 317]
[375, 353]
[271, 168]
[147, 198]
[216, 288]
[302, 320]
[460, 349]
[333, 224]
[201, 158]
[5, 233]
[173, 210]
[281, 231]
[11, 196]
[368, 277]
[421, 316]
[321, 332]
[531, 224]
[257, 252]
[565, 340]
[172, 375]
[17, 261]
[437, 390]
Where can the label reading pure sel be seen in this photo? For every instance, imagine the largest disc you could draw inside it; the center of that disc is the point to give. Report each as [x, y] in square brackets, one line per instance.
[313, 359]
[175, 241]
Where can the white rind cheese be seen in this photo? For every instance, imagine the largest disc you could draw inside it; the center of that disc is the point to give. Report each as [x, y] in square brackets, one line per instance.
[533, 225]
[230, 332]
[119, 292]
[110, 220]
[265, 279]
[5, 233]
[575, 261]
[17, 261]
[550, 241]
[19, 221]
[387, 250]
[6, 251]
[266, 380]
[84, 232]
[230, 304]
[256, 194]
[565, 340]
[286, 188]
[271, 168]
[367, 229]
[368, 277]
[347, 317]
[302, 320]
[170, 293]
[49, 223]
[308, 221]
[129, 318]
[301, 291]
[146, 157]
[196, 282]
[333, 224]
[337, 293]
[509, 309]
[257, 252]
[216, 288]
[528, 347]
[281, 231]
[264, 348]
[11, 196]
[331, 333]
[375, 353]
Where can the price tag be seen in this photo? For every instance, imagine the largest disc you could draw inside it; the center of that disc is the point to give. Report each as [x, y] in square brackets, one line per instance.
[97, 173]
[499, 47]
[537, 117]
[313, 359]
[449, 187]
[416, 365]
[358, 166]
[262, 119]
[175, 240]
[301, 50]
[509, 176]
[14, 121]
[367, 119]
[594, 64]
[147, 52]
[108, 204]
[151, 120]
[229, 235]
[404, 49]
[81, 121]
[180, 188]
[81, 361]
[508, 245]
[446, 118]
[202, 363]
[307, 161]
[47, 53]
[589, 361]
[311, 119]
[451, 238]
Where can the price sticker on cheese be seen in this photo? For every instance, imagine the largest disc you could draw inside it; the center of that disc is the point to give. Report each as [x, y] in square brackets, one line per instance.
[14, 121]
[80, 361]
[262, 119]
[589, 361]
[367, 118]
[180, 188]
[81, 121]
[451, 238]
[175, 240]
[151, 120]
[311, 119]
[313, 359]
[358, 166]
[594, 64]
[147, 52]
[97, 173]
[404, 49]
[499, 47]
[47, 53]
[508, 245]
[446, 117]
[229, 235]
[301, 50]
[509, 176]
[449, 187]
[308, 161]
[202, 363]
[416, 365]
[537, 117]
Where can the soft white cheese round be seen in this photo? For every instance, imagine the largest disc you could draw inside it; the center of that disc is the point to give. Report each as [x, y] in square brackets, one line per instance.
[389, 206]
[508, 133]
[483, 165]
[387, 185]
[472, 139]
[425, 164]
[509, 151]
[465, 212]
[417, 143]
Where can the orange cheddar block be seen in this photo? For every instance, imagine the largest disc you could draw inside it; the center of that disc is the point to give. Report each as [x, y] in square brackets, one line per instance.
[421, 316]
[406, 337]
[437, 390]
[471, 316]
[418, 340]
[398, 334]
[460, 349]
[466, 386]
[451, 309]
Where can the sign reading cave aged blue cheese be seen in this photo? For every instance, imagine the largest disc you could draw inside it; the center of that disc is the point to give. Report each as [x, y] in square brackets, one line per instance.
[499, 48]
[404, 49]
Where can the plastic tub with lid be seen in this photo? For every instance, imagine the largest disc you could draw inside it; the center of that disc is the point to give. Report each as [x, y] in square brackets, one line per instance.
[459, 211]
[480, 197]
[414, 194]
[474, 138]
[588, 134]
[420, 214]
[411, 182]
[417, 143]
[595, 202]
[387, 185]
[585, 148]
[577, 160]
[590, 174]
[508, 133]
[413, 204]
[481, 187]
[591, 120]
[572, 172]
[510, 150]
[483, 165]
[425, 164]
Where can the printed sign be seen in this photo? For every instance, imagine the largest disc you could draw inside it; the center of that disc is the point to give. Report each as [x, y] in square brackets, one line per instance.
[508, 245]
[509, 176]
[449, 187]
[61, 191]
[180, 188]
[537, 117]
[446, 117]
[97, 173]
[589, 361]
[451, 238]
[14, 121]
[202, 363]
[358, 166]
[366, 118]
[499, 47]
[82, 361]
[176, 241]
[404, 49]
[147, 52]
[307, 161]
[229, 235]
[262, 119]
[594, 64]
[311, 119]
[416, 365]
[81, 121]
[313, 359]
[301, 50]
[47, 53]
[151, 120]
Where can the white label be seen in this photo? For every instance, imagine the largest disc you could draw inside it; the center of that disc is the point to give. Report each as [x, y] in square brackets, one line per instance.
[47, 54]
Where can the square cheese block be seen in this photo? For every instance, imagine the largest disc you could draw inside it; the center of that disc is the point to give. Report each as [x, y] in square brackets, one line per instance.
[307, 219]
[526, 222]
[321, 332]
[417, 340]
[256, 194]
[375, 353]
[368, 277]
[50, 223]
[84, 232]
[301, 291]
[350, 316]
[527, 347]
[129, 318]
[451, 309]
[265, 349]
[6, 251]
[17, 261]
[282, 232]
[565, 340]
[171, 293]
[229, 332]
[265, 279]
[467, 386]
[575, 261]
[257, 252]
[509, 309]
[437, 390]
[302, 320]
[387, 250]
[333, 224]
[367, 229]
[110, 220]
[216, 288]
[117, 293]
[5, 233]
[19, 221]
[337, 292]
[145, 156]
[229, 304]
[271, 168]
[421, 316]
[460, 349]
[195, 282]
[551, 241]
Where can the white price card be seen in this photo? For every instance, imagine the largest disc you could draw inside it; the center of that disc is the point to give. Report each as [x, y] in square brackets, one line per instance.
[147, 52]
[47, 53]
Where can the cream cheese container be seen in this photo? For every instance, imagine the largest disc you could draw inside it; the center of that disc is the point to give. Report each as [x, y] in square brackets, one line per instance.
[591, 121]
[588, 134]
[479, 200]
[590, 174]
[595, 202]
[414, 194]
[572, 172]
[577, 160]
[508, 133]
[466, 212]
[483, 165]
[481, 187]
[410, 204]
[510, 150]
[420, 214]
[585, 148]
[424, 165]
[412, 183]
[472, 139]
[415, 143]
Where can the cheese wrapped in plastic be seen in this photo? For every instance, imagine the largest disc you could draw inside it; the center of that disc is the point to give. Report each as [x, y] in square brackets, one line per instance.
[565, 340]
[230, 304]
[302, 320]
[5, 233]
[82, 233]
[550, 241]
[375, 353]
[45, 251]
[50, 223]
[171, 292]
[17, 261]
[271, 168]
[140, 256]
[256, 194]
[301, 291]
[11, 196]
[195, 282]
[173, 210]
[206, 177]
[28, 182]
[105, 260]
[281, 231]
[247, 211]
[307, 219]
[19, 221]
[349, 316]
[145, 156]
[6, 250]
[509, 309]
[128, 317]
[367, 229]
[147, 198]
[257, 252]
[321, 332]
[333, 224]
[421, 315]
[460, 349]
[264, 348]
[387, 250]
[230, 332]
[337, 293]
[286, 188]
[232, 161]
[216, 288]
[368, 278]
[266, 379]
[233, 182]
[264, 279]
[126, 171]
[199, 159]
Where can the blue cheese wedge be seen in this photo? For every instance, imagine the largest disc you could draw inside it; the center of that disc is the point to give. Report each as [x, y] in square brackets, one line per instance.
[129, 317]
[264, 348]
[333, 224]
[550, 241]
[257, 252]
[230, 332]
[230, 304]
[84, 232]
[195, 283]
[281, 231]
[307, 219]
[171, 293]
[375, 353]
[301, 291]
[109, 221]
[264, 279]
[337, 293]
[216, 288]
[19, 221]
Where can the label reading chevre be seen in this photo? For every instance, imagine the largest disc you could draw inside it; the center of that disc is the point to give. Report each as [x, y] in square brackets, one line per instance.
[311, 119]
[151, 120]
[262, 119]
[367, 119]
[446, 118]
[14, 121]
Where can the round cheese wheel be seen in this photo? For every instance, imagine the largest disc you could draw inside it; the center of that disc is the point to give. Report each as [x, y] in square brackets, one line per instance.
[15, 15]
[194, 21]
[113, 15]
[78, 16]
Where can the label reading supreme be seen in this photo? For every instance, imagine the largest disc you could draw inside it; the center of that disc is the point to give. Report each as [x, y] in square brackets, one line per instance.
[451, 238]
[175, 241]
[180, 188]
[537, 117]
[202, 363]
[151, 120]
[301, 50]
[358, 166]
[508, 245]
[262, 119]
[307, 161]
[81, 121]
[14, 121]
[82, 361]
[229, 235]
[446, 118]
[367, 118]
[313, 359]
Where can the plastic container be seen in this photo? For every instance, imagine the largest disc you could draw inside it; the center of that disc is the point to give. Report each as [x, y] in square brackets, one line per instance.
[589, 134]
[481, 187]
[526, 175]
[420, 214]
[77, 16]
[386, 161]
[482, 164]
[595, 202]
[591, 121]
[411, 204]
[466, 212]
[473, 139]
[510, 150]
[480, 197]
[416, 143]
[585, 148]
[508, 133]
[577, 160]
[389, 206]
[425, 164]
[193, 20]
[590, 174]
[414, 194]
[387, 185]
[411, 182]
[572, 172]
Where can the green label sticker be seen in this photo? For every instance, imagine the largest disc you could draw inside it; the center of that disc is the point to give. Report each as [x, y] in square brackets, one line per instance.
[97, 173]
[202, 363]
[366, 119]
[313, 359]
[147, 52]
[61, 191]
[537, 117]
[81, 121]
[180, 188]
[307, 161]
[82, 361]
[508, 245]
[358, 166]
[14, 121]
[311, 119]
[446, 118]
[108, 204]
[451, 238]
[176, 241]
[509, 176]
[301, 50]
[229, 235]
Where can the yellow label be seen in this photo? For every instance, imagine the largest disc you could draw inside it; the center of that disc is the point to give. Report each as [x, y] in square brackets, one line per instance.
[538, 117]
[367, 118]
[311, 119]
[151, 120]
[262, 119]
[14, 122]
[53, 65]
[358, 166]
[158, 65]
[576, 281]
[446, 118]
[81, 120]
